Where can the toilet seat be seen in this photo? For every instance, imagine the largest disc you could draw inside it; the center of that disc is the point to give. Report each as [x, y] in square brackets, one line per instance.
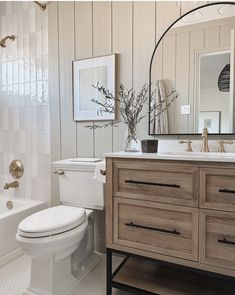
[52, 221]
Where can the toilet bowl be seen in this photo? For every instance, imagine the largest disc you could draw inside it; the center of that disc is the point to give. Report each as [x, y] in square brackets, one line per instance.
[60, 240]
[49, 237]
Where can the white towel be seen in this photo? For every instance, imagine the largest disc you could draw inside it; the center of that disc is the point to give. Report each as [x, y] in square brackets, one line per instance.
[100, 169]
[160, 123]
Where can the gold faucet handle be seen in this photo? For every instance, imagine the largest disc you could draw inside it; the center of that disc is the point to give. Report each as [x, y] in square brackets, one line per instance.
[189, 144]
[103, 172]
[221, 148]
[228, 141]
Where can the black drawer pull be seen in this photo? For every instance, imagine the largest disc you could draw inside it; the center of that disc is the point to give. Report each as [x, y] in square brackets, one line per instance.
[151, 183]
[225, 241]
[173, 232]
[225, 190]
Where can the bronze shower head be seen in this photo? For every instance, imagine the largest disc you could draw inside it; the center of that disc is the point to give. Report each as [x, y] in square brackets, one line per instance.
[42, 6]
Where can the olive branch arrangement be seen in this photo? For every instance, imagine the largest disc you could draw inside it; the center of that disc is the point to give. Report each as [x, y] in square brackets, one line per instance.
[130, 106]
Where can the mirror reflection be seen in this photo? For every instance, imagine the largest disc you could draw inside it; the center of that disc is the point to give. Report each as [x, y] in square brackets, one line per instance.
[196, 58]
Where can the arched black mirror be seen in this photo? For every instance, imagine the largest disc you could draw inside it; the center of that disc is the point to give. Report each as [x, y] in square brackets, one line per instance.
[195, 57]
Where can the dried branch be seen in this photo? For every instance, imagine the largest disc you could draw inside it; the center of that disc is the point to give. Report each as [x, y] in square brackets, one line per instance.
[130, 106]
[109, 124]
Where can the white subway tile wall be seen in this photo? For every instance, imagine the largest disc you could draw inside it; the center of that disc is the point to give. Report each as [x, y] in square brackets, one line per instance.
[24, 107]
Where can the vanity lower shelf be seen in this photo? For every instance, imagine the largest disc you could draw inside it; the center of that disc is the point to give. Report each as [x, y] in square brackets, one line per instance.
[137, 275]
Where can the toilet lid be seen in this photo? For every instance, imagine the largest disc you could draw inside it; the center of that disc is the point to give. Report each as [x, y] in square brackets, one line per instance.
[52, 221]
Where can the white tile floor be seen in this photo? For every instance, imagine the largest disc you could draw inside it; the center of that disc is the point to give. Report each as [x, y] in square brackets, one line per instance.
[14, 278]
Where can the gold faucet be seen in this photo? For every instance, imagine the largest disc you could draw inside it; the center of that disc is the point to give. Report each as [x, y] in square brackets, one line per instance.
[205, 146]
[221, 148]
[13, 184]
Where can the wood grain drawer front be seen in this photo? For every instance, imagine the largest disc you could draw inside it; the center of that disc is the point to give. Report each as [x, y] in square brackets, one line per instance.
[217, 238]
[217, 189]
[174, 184]
[165, 229]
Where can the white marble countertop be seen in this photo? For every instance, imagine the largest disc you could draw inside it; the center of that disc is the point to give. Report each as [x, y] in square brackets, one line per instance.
[180, 156]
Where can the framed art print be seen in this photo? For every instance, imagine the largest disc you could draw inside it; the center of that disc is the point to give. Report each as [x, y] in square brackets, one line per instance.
[210, 120]
[86, 73]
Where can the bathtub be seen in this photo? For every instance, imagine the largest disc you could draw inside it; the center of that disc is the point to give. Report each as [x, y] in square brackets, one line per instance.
[9, 220]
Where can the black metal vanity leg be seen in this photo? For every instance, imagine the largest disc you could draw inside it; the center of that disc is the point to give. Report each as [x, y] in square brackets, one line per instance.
[109, 271]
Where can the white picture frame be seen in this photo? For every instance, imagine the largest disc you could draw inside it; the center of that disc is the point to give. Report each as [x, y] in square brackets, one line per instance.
[210, 120]
[86, 73]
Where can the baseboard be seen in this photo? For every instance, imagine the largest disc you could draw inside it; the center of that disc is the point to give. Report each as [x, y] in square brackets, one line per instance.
[10, 256]
[100, 246]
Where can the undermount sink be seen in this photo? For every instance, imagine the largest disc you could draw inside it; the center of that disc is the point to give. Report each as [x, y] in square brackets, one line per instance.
[200, 154]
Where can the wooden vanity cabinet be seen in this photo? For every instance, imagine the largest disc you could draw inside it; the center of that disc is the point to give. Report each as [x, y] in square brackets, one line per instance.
[156, 182]
[156, 227]
[217, 188]
[217, 238]
[180, 212]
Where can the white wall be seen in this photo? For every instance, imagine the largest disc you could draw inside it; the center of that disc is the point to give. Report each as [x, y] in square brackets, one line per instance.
[84, 29]
[24, 109]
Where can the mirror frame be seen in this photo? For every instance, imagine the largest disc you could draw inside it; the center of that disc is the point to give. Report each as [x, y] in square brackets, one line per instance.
[151, 63]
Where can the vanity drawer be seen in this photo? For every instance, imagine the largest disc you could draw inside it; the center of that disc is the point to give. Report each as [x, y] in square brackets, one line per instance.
[160, 228]
[217, 189]
[166, 183]
[217, 238]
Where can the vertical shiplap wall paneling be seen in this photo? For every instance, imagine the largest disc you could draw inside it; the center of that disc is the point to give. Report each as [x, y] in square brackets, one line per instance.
[166, 13]
[225, 35]
[143, 43]
[188, 5]
[157, 65]
[182, 80]
[66, 56]
[54, 100]
[102, 45]
[212, 38]
[196, 43]
[168, 74]
[122, 45]
[226, 40]
[83, 49]
[83, 29]
[88, 29]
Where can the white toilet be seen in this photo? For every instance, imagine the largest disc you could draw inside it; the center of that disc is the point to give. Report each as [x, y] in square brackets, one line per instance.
[60, 239]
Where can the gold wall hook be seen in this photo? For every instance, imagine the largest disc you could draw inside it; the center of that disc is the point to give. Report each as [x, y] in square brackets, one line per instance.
[3, 40]
[42, 6]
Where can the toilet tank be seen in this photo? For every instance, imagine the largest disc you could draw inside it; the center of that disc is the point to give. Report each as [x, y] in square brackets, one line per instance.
[77, 184]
